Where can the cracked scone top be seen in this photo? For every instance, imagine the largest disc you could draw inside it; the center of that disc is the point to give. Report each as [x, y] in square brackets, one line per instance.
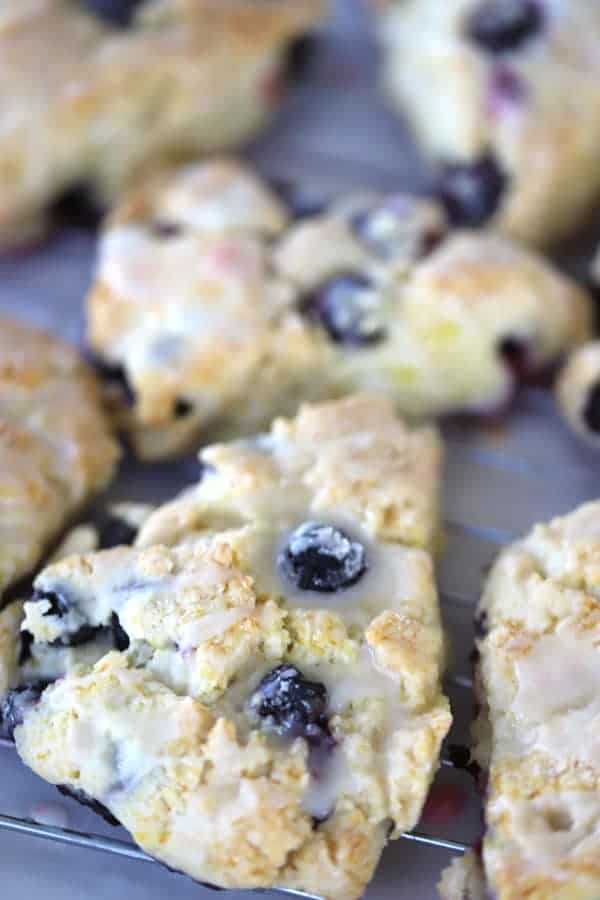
[126, 84]
[212, 309]
[505, 95]
[538, 680]
[56, 448]
[277, 713]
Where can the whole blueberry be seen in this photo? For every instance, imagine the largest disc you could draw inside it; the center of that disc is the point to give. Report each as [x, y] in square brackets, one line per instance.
[504, 25]
[114, 532]
[591, 409]
[320, 557]
[471, 192]
[391, 227]
[16, 704]
[291, 705]
[344, 307]
[119, 635]
[116, 12]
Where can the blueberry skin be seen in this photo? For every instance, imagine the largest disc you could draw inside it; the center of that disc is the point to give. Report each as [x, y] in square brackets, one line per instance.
[114, 532]
[60, 604]
[16, 704]
[591, 409]
[471, 192]
[119, 635]
[499, 26]
[339, 308]
[295, 707]
[319, 557]
[116, 12]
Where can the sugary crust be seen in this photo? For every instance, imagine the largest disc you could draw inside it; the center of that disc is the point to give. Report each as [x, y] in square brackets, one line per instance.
[577, 381]
[224, 292]
[538, 676]
[353, 458]
[55, 445]
[536, 108]
[171, 747]
[171, 72]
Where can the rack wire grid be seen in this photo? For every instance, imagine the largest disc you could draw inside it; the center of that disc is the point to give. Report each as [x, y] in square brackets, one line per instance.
[335, 135]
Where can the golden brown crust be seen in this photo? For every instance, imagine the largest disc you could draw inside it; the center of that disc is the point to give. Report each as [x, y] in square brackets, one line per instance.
[56, 448]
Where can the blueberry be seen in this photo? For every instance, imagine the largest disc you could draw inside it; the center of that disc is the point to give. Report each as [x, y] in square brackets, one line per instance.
[591, 409]
[516, 353]
[319, 557]
[113, 374]
[182, 408]
[293, 706]
[114, 532]
[86, 800]
[115, 12]
[78, 205]
[300, 56]
[59, 603]
[471, 192]
[302, 200]
[15, 705]
[120, 636]
[25, 642]
[503, 25]
[390, 228]
[166, 230]
[344, 307]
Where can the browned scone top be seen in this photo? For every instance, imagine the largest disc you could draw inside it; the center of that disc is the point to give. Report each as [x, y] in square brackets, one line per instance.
[56, 447]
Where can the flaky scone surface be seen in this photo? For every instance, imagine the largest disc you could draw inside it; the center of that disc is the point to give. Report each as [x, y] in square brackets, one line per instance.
[218, 311]
[56, 448]
[515, 86]
[182, 76]
[304, 578]
[538, 679]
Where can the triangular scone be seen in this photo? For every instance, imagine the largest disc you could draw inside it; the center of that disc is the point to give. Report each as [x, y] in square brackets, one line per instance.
[538, 680]
[56, 447]
[128, 84]
[277, 712]
[213, 309]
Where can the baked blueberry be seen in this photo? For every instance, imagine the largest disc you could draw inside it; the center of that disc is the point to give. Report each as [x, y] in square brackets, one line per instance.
[320, 557]
[59, 603]
[385, 228]
[182, 408]
[471, 192]
[120, 636]
[76, 206]
[115, 12]
[591, 409]
[302, 200]
[500, 26]
[345, 308]
[15, 705]
[114, 532]
[292, 706]
[113, 375]
[166, 230]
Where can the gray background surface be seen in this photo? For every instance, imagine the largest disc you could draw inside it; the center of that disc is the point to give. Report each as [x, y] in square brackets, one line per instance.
[334, 134]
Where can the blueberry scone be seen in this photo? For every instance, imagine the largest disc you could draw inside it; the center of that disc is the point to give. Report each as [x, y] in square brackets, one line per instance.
[276, 714]
[125, 83]
[505, 96]
[56, 448]
[214, 309]
[578, 392]
[538, 680]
